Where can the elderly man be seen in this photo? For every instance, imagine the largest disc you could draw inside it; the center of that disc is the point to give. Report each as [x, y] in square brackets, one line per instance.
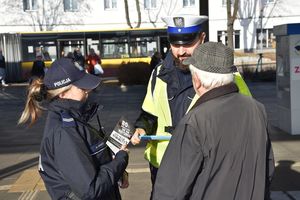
[221, 148]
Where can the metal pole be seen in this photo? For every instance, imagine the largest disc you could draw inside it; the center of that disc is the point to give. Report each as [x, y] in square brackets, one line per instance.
[261, 37]
[261, 29]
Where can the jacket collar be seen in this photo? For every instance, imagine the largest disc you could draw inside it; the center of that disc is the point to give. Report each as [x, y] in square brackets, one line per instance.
[177, 80]
[82, 110]
[216, 92]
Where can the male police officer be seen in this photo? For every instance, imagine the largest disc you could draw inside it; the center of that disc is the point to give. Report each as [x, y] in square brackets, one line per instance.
[170, 92]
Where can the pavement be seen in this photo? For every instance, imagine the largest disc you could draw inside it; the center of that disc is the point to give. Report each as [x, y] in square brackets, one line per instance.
[19, 145]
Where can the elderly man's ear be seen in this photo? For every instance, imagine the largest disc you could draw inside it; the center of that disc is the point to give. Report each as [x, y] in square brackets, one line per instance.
[196, 81]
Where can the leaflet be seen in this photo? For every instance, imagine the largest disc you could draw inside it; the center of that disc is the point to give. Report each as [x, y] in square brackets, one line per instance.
[120, 135]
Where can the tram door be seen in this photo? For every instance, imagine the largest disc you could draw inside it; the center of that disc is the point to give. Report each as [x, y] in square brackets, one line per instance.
[66, 47]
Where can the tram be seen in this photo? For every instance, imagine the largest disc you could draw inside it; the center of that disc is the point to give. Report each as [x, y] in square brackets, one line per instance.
[115, 47]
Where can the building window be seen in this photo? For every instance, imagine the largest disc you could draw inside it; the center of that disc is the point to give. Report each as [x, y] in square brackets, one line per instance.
[222, 37]
[70, 5]
[110, 4]
[150, 4]
[30, 5]
[266, 39]
[188, 3]
[224, 2]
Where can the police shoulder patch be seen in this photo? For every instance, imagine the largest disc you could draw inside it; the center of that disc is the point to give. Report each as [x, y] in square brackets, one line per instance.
[67, 119]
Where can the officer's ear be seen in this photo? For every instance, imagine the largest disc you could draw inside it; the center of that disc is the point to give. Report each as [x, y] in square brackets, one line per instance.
[64, 95]
[202, 37]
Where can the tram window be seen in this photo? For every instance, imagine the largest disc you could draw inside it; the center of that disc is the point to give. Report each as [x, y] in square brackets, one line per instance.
[93, 43]
[30, 48]
[142, 46]
[115, 48]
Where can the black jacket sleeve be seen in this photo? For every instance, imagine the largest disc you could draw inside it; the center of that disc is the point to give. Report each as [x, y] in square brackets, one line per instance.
[147, 122]
[76, 165]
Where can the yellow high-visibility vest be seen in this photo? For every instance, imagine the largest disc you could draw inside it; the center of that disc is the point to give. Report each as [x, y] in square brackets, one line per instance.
[156, 103]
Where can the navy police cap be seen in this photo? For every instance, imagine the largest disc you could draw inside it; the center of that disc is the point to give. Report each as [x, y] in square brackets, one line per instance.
[184, 29]
[64, 72]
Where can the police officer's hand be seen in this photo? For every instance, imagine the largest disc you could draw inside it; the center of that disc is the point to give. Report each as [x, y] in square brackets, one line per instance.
[135, 139]
[124, 148]
[124, 182]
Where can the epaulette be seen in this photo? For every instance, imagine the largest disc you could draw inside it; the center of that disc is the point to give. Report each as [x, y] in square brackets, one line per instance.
[67, 119]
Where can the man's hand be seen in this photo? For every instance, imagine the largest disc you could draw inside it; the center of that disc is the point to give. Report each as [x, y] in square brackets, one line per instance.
[135, 139]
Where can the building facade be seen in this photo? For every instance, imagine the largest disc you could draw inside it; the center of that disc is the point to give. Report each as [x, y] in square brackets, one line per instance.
[47, 15]
[253, 18]
[253, 26]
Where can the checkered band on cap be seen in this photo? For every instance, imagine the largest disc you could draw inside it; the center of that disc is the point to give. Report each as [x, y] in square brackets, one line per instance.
[212, 57]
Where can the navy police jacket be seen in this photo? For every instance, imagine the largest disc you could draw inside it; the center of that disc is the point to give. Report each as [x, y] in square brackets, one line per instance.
[74, 160]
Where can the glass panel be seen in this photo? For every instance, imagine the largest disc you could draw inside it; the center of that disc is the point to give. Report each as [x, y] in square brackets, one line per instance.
[153, 3]
[224, 2]
[185, 3]
[222, 37]
[34, 4]
[236, 39]
[67, 5]
[146, 4]
[106, 4]
[74, 5]
[115, 48]
[142, 46]
[25, 5]
[30, 47]
[67, 47]
[114, 4]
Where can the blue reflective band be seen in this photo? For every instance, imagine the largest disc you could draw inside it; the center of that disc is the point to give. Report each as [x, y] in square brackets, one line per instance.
[155, 137]
[191, 29]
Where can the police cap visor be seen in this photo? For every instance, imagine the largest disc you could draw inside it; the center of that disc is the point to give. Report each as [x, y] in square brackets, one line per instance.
[183, 39]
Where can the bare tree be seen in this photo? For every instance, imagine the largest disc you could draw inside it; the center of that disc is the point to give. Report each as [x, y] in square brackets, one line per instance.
[231, 17]
[48, 14]
[153, 15]
[138, 9]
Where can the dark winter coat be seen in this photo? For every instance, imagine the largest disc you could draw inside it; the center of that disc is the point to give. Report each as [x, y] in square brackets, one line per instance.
[2, 62]
[74, 158]
[219, 150]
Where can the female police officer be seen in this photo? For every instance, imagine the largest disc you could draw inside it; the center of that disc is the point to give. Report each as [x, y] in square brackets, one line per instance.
[74, 163]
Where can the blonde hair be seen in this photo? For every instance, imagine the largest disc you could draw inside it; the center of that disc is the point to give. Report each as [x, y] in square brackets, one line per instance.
[36, 93]
[211, 80]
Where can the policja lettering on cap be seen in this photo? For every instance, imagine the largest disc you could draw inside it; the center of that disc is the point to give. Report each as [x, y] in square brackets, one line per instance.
[184, 29]
[63, 72]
